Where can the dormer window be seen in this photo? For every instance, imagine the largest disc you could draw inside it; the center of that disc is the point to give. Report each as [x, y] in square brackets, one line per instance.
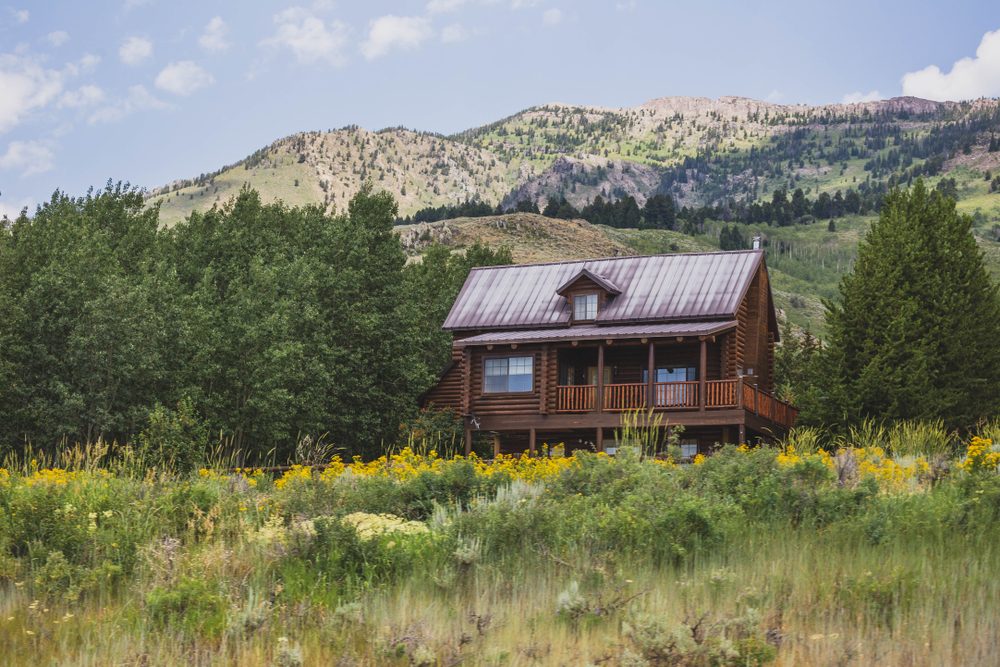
[585, 291]
[585, 307]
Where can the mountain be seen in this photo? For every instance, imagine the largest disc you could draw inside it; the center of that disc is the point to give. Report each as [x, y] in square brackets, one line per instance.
[699, 150]
[724, 153]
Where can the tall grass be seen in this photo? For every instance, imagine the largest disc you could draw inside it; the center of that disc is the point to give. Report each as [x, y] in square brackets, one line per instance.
[750, 557]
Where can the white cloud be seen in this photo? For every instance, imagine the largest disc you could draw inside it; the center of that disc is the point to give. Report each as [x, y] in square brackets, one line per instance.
[183, 78]
[138, 99]
[969, 78]
[625, 5]
[134, 50]
[57, 38]
[30, 157]
[84, 96]
[858, 96]
[86, 63]
[455, 32]
[774, 96]
[132, 4]
[26, 86]
[20, 15]
[395, 32]
[552, 16]
[213, 39]
[521, 4]
[308, 37]
[444, 6]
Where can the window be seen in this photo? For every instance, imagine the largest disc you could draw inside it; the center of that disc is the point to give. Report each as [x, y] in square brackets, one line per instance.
[688, 374]
[585, 307]
[508, 374]
[689, 448]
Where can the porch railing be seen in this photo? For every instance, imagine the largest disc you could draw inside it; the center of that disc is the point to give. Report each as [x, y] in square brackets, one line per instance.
[630, 396]
[576, 398]
[719, 394]
[768, 406]
[677, 395]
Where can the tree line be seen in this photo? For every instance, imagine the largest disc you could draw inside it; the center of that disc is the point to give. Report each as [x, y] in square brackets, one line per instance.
[270, 323]
[661, 211]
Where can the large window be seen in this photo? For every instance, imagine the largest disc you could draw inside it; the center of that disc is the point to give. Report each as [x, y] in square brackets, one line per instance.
[508, 374]
[585, 307]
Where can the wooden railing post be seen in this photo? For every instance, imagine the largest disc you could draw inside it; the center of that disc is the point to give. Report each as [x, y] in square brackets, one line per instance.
[600, 377]
[702, 371]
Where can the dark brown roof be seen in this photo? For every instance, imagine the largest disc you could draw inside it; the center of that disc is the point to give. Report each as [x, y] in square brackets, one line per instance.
[593, 332]
[681, 286]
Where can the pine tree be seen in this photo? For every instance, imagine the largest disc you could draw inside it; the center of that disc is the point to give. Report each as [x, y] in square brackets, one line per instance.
[915, 332]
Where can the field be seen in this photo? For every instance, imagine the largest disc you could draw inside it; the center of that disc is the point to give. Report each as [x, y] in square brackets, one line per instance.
[880, 546]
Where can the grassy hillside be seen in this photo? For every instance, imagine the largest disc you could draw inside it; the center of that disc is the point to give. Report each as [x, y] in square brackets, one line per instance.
[328, 168]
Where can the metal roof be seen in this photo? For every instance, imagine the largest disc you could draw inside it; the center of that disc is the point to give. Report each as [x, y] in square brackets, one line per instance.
[600, 281]
[594, 332]
[680, 286]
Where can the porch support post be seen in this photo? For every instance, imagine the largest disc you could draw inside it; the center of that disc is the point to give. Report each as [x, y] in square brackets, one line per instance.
[743, 434]
[531, 442]
[702, 372]
[600, 377]
[496, 445]
[468, 440]
[600, 438]
[650, 378]
[543, 388]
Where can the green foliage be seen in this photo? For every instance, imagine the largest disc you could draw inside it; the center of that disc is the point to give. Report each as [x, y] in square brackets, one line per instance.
[735, 641]
[912, 336]
[192, 606]
[263, 324]
[174, 439]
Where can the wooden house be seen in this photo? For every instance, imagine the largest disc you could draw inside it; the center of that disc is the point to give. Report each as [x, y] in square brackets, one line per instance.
[558, 352]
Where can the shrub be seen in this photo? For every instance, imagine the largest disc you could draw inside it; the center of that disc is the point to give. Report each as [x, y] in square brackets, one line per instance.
[736, 641]
[193, 606]
[174, 439]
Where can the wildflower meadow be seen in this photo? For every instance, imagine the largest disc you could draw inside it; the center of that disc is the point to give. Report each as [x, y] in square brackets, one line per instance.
[823, 551]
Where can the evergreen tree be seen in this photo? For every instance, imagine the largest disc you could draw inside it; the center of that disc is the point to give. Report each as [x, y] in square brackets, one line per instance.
[526, 206]
[914, 334]
[800, 206]
[659, 212]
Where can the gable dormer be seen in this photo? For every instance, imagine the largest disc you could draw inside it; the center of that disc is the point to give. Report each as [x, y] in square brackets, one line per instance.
[586, 293]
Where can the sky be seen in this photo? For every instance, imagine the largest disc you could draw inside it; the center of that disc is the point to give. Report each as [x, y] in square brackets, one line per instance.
[148, 91]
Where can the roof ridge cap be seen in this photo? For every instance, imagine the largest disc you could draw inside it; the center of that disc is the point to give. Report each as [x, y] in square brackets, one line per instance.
[616, 257]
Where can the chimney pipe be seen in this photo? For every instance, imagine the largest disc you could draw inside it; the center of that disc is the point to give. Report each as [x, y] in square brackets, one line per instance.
[756, 242]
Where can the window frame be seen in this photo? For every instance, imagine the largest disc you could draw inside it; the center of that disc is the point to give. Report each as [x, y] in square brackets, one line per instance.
[508, 390]
[587, 296]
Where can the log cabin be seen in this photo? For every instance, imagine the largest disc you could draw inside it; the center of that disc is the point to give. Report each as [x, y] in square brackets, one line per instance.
[560, 351]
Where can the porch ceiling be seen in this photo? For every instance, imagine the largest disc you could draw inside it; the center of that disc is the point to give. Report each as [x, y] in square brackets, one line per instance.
[593, 332]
